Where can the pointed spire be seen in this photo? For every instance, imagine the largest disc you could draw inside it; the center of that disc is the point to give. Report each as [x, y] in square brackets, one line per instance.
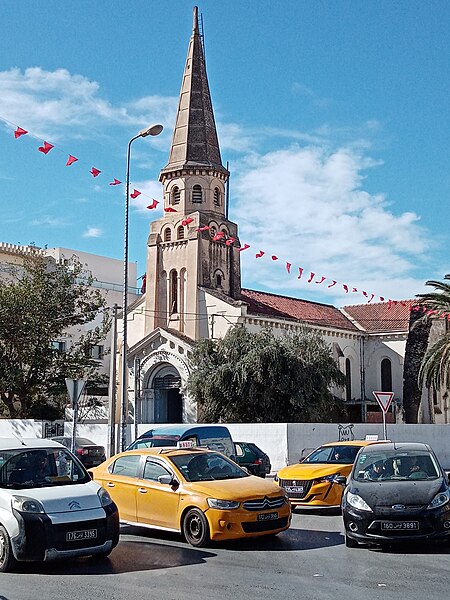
[195, 142]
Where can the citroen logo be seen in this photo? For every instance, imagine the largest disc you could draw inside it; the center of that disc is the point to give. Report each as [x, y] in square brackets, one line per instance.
[74, 505]
[399, 507]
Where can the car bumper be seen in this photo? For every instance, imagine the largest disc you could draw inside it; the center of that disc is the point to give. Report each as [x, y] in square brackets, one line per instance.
[40, 539]
[318, 495]
[235, 524]
[367, 527]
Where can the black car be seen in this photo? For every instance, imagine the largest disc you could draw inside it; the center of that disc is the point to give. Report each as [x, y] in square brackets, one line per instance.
[88, 452]
[251, 457]
[396, 492]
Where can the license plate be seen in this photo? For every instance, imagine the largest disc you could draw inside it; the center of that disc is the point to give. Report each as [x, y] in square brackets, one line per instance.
[85, 534]
[400, 525]
[267, 516]
[294, 489]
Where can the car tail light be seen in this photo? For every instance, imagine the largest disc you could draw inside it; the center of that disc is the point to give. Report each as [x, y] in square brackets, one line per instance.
[257, 461]
[82, 451]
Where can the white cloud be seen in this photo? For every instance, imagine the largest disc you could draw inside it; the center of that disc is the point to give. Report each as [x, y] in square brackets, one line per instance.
[308, 207]
[49, 221]
[93, 232]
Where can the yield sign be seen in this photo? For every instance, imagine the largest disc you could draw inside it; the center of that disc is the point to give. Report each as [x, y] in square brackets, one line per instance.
[384, 399]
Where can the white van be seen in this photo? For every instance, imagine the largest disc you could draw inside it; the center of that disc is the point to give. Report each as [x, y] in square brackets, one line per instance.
[49, 506]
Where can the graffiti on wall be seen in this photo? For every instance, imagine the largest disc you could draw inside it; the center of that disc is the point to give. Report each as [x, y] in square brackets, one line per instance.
[345, 433]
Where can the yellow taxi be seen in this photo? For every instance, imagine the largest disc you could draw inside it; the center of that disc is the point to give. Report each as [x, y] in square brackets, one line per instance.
[197, 492]
[310, 483]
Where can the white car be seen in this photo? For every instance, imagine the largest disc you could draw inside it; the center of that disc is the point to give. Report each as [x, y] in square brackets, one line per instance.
[49, 506]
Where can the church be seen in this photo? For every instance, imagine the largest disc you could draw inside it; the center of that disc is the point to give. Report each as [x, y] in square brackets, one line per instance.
[193, 284]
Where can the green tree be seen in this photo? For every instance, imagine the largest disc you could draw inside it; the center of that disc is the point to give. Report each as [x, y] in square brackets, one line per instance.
[258, 377]
[39, 302]
[435, 368]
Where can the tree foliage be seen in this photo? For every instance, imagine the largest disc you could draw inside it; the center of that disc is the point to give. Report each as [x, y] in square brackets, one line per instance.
[435, 368]
[258, 377]
[40, 301]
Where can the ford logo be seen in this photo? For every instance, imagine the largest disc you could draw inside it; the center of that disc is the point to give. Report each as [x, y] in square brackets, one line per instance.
[399, 507]
[74, 505]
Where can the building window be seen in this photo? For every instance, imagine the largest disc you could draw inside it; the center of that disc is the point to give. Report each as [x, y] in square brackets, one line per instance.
[348, 379]
[167, 234]
[197, 194]
[173, 292]
[176, 195]
[218, 280]
[212, 231]
[217, 196]
[60, 346]
[96, 352]
[180, 233]
[386, 375]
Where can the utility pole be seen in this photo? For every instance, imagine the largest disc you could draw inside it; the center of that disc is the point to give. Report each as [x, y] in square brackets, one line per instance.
[112, 386]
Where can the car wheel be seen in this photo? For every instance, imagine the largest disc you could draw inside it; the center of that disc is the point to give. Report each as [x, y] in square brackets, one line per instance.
[350, 542]
[196, 528]
[7, 560]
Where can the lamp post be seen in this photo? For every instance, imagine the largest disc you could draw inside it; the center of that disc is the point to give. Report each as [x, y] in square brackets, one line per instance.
[152, 130]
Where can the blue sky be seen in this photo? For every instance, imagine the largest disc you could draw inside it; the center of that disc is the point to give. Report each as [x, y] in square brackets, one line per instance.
[333, 117]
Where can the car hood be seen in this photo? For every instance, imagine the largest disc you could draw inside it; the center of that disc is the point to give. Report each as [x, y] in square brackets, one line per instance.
[67, 498]
[387, 493]
[236, 489]
[306, 471]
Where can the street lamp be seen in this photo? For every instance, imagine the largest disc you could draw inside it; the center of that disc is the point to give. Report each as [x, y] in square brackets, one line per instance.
[152, 130]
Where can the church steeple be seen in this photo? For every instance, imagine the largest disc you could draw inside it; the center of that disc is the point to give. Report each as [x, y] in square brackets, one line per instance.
[194, 142]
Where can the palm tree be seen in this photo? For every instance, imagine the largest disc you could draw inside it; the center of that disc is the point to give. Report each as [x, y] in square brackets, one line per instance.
[435, 367]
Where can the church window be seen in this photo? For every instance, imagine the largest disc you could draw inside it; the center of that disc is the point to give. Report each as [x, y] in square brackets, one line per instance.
[218, 280]
[176, 195]
[167, 234]
[212, 231]
[197, 194]
[217, 196]
[180, 233]
[348, 379]
[173, 292]
[386, 375]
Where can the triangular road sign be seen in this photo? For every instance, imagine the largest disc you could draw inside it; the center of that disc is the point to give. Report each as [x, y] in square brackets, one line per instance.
[75, 388]
[384, 399]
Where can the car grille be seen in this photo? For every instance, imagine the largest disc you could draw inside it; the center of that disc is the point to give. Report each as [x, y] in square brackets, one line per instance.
[258, 526]
[306, 483]
[407, 510]
[264, 503]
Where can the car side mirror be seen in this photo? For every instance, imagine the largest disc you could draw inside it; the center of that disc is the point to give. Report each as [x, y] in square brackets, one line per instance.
[168, 480]
[340, 480]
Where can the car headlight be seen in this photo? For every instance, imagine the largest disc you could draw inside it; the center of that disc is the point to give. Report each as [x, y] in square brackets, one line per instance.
[104, 497]
[357, 502]
[222, 504]
[27, 505]
[328, 478]
[439, 500]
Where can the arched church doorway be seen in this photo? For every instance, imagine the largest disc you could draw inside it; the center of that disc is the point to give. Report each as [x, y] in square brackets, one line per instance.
[163, 402]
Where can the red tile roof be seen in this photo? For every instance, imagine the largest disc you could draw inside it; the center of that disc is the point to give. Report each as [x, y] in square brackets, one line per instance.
[381, 317]
[284, 307]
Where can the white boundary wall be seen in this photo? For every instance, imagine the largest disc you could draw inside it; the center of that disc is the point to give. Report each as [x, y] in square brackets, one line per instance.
[285, 443]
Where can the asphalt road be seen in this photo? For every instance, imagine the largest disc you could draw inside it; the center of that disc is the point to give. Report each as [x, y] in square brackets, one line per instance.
[309, 561]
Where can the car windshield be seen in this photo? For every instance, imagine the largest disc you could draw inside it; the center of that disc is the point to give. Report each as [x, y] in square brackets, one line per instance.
[333, 454]
[43, 467]
[396, 466]
[207, 466]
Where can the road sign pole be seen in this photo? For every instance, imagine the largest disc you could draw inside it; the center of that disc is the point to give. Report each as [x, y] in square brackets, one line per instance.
[384, 425]
[75, 388]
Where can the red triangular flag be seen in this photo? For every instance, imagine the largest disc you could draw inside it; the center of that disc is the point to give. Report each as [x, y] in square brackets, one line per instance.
[321, 280]
[230, 241]
[115, 182]
[288, 267]
[300, 272]
[135, 194]
[45, 149]
[381, 299]
[19, 131]
[332, 284]
[94, 172]
[169, 209]
[311, 277]
[153, 204]
[185, 222]
[204, 228]
[219, 235]
[345, 288]
[274, 257]
[71, 160]
[260, 254]
[244, 247]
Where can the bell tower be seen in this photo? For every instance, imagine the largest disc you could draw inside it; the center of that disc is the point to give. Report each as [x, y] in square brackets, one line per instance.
[193, 245]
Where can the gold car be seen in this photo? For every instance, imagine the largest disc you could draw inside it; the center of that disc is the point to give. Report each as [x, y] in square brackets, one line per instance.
[199, 493]
[310, 483]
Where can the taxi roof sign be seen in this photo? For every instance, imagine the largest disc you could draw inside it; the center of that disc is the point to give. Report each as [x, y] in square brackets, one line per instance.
[185, 444]
[384, 399]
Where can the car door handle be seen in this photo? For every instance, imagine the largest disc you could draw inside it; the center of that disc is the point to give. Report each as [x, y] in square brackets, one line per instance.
[142, 490]
[109, 484]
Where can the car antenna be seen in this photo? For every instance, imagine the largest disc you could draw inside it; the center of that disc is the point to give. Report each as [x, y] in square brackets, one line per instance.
[19, 438]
